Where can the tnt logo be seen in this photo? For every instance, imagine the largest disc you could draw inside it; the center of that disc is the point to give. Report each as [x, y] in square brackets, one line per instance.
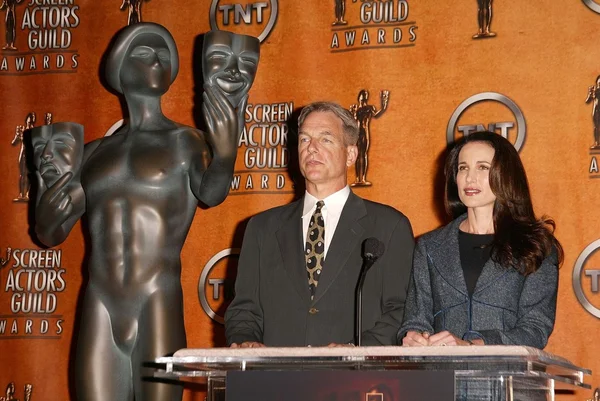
[494, 112]
[254, 18]
[586, 278]
[216, 284]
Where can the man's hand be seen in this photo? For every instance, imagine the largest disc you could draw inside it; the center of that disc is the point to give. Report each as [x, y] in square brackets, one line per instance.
[248, 344]
[335, 345]
[416, 339]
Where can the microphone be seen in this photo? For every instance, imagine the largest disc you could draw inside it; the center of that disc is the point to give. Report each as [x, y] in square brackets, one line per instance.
[372, 250]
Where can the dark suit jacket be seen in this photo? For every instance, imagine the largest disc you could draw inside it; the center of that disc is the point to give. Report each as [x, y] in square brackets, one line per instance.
[272, 303]
[506, 307]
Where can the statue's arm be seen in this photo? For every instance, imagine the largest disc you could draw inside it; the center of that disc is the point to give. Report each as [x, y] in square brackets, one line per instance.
[590, 95]
[57, 209]
[16, 138]
[385, 98]
[59, 206]
[212, 170]
[124, 5]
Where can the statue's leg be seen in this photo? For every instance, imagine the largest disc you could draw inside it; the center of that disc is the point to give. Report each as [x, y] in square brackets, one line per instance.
[102, 370]
[366, 156]
[162, 332]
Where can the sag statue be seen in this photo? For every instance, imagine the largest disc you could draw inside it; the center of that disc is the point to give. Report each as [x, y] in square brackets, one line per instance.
[138, 190]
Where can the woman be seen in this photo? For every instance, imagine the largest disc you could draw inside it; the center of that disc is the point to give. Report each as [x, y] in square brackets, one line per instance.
[491, 275]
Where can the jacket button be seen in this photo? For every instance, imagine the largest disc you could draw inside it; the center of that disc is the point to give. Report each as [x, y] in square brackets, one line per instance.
[313, 311]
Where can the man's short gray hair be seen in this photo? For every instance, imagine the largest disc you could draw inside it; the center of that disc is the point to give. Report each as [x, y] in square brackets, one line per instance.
[349, 124]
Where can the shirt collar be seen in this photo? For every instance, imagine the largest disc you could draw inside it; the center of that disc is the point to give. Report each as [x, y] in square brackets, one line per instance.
[334, 203]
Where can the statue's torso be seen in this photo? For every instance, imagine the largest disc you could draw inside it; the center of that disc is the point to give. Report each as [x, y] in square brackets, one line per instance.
[139, 204]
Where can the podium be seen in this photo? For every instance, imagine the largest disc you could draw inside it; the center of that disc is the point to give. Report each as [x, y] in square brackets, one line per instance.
[480, 372]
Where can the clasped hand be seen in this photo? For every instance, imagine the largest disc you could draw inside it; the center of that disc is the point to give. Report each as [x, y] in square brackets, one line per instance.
[443, 338]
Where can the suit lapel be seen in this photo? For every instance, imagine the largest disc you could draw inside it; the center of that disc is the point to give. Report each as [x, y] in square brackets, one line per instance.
[289, 236]
[446, 256]
[346, 237]
[490, 273]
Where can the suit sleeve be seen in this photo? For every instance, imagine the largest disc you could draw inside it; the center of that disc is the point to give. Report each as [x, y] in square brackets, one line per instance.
[396, 264]
[537, 310]
[418, 315]
[244, 316]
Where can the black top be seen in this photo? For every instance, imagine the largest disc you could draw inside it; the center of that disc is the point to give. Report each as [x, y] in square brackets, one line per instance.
[474, 253]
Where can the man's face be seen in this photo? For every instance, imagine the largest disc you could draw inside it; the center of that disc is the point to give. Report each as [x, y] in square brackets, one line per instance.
[146, 68]
[323, 154]
[229, 62]
[57, 149]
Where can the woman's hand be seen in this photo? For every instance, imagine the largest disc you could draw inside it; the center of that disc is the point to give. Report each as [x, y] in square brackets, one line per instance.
[416, 339]
[446, 338]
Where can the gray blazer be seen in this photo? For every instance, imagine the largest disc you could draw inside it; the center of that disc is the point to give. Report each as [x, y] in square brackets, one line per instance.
[506, 307]
[272, 301]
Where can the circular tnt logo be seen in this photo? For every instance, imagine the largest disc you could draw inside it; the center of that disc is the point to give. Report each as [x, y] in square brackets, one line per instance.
[595, 7]
[587, 287]
[254, 18]
[215, 289]
[495, 120]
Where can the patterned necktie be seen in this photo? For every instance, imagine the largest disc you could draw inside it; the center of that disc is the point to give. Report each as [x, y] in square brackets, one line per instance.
[315, 248]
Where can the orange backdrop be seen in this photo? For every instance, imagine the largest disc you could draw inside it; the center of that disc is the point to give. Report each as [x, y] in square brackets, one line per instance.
[543, 60]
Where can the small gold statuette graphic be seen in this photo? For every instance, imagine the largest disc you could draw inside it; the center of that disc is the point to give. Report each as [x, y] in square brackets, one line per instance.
[340, 12]
[593, 96]
[3, 261]
[10, 23]
[23, 171]
[134, 8]
[596, 396]
[484, 18]
[363, 113]
[10, 393]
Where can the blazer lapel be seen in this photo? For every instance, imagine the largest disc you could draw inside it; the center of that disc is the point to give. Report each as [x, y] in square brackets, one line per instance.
[446, 256]
[289, 236]
[346, 237]
[490, 273]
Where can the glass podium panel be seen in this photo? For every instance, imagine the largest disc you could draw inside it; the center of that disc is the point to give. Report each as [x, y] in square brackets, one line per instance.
[480, 372]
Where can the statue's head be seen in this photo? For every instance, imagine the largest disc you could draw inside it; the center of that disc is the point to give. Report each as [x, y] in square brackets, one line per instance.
[143, 60]
[57, 149]
[229, 62]
[363, 96]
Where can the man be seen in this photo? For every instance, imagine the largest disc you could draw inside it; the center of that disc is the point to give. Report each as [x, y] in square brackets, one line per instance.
[292, 292]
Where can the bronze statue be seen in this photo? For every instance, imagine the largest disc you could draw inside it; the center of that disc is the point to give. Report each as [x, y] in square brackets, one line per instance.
[134, 8]
[27, 392]
[4, 261]
[10, 21]
[340, 12]
[229, 63]
[23, 171]
[363, 113]
[484, 19]
[139, 189]
[594, 96]
[10, 393]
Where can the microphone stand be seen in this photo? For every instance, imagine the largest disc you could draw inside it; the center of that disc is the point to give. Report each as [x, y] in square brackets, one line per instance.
[369, 261]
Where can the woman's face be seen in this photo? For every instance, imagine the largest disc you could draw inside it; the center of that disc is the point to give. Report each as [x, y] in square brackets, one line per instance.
[473, 175]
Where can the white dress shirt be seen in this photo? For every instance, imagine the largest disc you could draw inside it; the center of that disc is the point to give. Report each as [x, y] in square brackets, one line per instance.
[331, 212]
